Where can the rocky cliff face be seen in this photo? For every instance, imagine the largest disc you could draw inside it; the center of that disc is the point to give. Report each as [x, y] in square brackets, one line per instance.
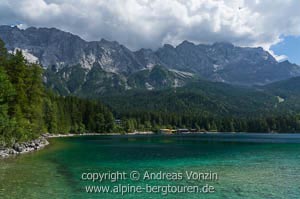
[226, 63]
[58, 49]
[77, 64]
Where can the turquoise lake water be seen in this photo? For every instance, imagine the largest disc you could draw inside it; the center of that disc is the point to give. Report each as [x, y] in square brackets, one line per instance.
[247, 165]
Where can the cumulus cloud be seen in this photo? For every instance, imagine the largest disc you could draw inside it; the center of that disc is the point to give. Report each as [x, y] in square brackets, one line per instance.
[151, 23]
[279, 58]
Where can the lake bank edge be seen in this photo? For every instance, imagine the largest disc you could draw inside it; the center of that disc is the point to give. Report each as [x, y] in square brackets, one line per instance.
[42, 142]
[23, 147]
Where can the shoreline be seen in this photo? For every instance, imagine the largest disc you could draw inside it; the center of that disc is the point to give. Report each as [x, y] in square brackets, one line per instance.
[42, 141]
[92, 134]
[24, 147]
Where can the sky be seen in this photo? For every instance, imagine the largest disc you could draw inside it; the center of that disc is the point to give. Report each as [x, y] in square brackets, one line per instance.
[290, 47]
[271, 24]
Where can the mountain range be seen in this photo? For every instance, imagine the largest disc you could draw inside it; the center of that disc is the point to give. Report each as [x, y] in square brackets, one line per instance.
[75, 66]
[218, 80]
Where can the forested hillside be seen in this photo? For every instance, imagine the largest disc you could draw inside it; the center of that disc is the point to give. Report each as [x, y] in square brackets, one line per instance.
[206, 107]
[27, 109]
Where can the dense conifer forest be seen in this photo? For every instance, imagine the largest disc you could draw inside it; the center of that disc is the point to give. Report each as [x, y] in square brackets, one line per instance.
[29, 109]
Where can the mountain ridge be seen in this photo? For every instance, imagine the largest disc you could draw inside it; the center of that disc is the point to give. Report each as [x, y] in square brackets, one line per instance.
[65, 55]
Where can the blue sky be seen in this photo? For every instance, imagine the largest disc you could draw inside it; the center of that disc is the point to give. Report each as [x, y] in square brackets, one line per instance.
[290, 46]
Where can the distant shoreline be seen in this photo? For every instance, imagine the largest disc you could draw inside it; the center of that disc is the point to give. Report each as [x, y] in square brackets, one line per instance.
[91, 134]
[42, 141]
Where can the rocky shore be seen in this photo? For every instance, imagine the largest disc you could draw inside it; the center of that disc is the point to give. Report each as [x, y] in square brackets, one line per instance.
[34, 145]
[25, 147]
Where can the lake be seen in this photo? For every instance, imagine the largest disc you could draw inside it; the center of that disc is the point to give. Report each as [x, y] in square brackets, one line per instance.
[245, 166]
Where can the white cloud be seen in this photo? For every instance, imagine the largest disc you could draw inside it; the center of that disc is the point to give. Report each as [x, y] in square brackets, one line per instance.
[151, 23]
[279, 58]
[22, 26]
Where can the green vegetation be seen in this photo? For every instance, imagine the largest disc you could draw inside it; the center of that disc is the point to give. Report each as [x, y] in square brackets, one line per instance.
[156, 120]
[27, 109]
[157, 77]
[74, 80]
[208, 106]
[199, 97]
[96, 82]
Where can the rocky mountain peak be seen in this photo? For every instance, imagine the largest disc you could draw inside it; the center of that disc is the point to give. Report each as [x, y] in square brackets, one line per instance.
[186, 44]
[220, 61]
[223, 45]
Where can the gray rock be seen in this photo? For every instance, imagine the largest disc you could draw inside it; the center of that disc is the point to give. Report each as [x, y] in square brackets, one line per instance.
[20, 148]
[62, 53]
[3, 153]
[12, 151]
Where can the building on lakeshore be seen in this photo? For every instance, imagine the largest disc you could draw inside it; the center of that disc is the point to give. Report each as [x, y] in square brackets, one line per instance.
[167, 131]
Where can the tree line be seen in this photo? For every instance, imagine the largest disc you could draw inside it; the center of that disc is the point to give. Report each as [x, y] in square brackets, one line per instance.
[28, 109]
[155, 120]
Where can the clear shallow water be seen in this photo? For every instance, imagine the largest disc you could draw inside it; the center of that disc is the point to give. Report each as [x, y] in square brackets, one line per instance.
[248, 165]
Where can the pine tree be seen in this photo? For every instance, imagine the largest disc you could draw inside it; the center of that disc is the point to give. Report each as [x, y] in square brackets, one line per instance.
[7, 123]
[3, 53]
